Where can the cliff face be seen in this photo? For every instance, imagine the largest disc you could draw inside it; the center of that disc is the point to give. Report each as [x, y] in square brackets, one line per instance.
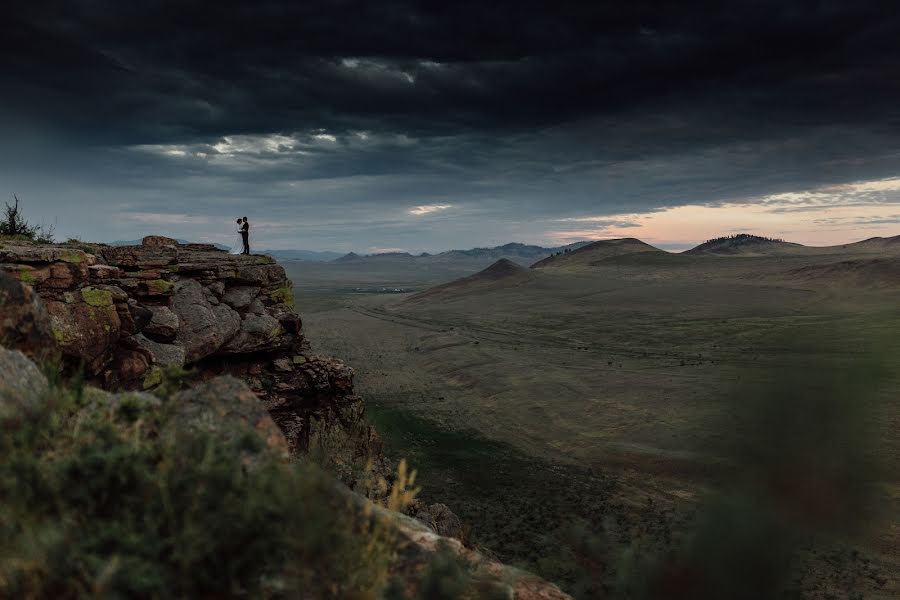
[130, 314]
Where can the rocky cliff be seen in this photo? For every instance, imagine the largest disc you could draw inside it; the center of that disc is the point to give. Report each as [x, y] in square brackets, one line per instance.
[131, 316]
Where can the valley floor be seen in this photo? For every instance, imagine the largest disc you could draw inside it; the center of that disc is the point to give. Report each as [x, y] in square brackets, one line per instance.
[623, 378]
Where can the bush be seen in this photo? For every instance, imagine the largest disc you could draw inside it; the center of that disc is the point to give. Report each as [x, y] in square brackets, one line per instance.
[15, 226]
[103, 499]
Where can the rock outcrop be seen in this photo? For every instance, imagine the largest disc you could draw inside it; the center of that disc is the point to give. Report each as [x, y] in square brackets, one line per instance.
[226, 409]
[132, 317]
[129, 316]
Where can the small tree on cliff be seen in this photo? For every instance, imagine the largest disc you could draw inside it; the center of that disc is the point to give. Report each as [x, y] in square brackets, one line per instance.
[14, 224]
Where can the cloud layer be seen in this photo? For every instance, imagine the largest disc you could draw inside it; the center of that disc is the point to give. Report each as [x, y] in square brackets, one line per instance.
[353, 125]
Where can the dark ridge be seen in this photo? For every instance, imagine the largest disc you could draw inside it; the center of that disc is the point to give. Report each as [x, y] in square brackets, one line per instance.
[738, 243]
[603, 247]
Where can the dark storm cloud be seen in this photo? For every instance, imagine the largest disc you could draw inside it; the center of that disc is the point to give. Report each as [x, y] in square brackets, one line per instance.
[509, 110]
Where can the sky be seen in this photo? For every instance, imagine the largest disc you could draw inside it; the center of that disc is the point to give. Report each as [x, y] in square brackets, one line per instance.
[391, 125]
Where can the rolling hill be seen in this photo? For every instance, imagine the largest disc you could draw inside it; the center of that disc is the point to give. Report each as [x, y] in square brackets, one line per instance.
[596, 251]
[745, 244]
[475, 258]
[502, 273]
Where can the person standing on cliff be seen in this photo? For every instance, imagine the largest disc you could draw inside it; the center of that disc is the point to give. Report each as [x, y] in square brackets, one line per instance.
[245, 236]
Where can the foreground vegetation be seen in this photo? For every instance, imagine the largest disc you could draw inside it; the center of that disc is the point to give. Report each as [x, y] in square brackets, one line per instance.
[108, 496]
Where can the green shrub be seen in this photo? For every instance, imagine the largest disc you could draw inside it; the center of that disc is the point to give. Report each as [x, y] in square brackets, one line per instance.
[98, 500]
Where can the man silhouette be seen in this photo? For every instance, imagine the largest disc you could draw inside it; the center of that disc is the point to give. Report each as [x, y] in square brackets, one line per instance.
[245, 236]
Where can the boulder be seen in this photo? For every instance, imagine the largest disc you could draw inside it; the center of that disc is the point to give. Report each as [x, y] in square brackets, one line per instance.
[257, 332]
[131, 365]
[139, 317]
[121, 256]
[22, 385]
[98, 273]
[158, 241]
[163, 325]
[86, 330]
[264, 275]
[199, 332]
[257, 307]
[227, 408]
[63, 275]
[203, 328]
[24, 321]
[228, 319]
[152, 287]
[217, 288]
[240, 297]
[164, 355]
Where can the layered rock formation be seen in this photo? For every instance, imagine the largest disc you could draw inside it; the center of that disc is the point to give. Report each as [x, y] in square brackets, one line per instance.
[131, 316]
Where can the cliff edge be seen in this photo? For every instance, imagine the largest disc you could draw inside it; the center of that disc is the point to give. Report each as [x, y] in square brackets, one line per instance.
[131, 316]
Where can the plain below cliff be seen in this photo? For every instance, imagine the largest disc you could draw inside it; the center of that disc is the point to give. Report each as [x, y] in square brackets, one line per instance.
[621, 364]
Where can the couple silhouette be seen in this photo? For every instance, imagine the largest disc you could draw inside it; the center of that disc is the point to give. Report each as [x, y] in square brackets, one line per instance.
[243, 230]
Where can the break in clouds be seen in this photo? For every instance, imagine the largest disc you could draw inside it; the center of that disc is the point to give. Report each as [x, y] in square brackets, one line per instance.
[358, 126]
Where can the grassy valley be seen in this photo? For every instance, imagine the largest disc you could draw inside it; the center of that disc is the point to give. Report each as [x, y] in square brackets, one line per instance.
[611, 383]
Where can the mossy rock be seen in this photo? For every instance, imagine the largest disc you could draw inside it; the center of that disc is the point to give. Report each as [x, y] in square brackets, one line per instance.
[160, 286]
[95, 297]
[299, 359]
[285, 295]
[153, 377]
[59, 336]
[25, 275]
[76, 257]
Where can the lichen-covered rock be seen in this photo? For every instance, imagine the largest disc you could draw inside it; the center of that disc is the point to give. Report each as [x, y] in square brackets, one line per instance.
[85, 331]
[130, 312]
[21, 252]
[24, 321]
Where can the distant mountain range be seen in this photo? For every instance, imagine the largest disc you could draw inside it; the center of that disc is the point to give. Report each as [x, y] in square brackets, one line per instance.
[312, 255]
[523, 254]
